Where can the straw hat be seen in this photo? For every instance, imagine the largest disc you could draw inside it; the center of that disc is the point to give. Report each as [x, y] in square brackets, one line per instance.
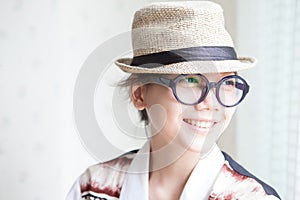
[182, 38]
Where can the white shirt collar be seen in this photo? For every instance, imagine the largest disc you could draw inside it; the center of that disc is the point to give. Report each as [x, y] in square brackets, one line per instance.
[198, 186]
[202, 179]
[135, 185]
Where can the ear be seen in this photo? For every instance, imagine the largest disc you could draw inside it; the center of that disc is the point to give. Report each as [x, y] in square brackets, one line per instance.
[137, 96]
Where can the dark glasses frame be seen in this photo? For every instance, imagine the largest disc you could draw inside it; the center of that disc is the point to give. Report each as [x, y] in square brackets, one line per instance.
[171, 83]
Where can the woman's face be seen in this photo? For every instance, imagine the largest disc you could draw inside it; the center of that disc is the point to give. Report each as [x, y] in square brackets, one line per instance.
[195, 128]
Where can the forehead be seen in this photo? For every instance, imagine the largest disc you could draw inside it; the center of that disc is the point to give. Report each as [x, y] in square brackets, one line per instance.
[217, 76]
[209, 76]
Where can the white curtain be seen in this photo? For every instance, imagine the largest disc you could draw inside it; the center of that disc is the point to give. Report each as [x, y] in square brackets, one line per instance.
[268, 128]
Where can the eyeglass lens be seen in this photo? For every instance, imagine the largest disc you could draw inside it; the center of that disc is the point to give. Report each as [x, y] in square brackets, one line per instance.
[191, 89]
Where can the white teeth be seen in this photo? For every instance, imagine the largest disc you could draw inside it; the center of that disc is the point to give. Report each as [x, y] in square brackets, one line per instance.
[200, 124]
[194, 123]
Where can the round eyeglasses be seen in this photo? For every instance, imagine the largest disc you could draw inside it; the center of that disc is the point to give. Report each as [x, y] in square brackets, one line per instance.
[192, 89]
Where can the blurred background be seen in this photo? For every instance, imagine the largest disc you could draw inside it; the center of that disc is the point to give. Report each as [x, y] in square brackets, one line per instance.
[43, 45]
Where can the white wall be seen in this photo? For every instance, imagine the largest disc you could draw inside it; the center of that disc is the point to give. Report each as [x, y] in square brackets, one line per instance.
[268, 134]
[42, 47]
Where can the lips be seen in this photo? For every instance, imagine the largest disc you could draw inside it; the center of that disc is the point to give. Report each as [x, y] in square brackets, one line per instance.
[199, 123]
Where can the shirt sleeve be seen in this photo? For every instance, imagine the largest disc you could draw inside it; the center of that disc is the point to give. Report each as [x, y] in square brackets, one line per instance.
[75, 192]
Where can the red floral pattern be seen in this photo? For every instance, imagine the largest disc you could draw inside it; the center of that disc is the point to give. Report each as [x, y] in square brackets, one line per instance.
[234, 186]
[104, 181]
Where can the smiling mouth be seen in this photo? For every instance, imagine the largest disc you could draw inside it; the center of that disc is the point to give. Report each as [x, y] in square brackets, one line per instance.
[199, 124]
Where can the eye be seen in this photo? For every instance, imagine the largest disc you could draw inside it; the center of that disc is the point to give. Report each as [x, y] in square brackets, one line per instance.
[229, 82]
[191, 80]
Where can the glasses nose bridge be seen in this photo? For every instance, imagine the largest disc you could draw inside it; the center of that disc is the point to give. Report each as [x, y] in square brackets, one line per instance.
[212, 85]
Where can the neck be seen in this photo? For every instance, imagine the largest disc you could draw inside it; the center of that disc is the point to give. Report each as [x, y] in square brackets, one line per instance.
[174, 167]
[170, 168]
[172, 157]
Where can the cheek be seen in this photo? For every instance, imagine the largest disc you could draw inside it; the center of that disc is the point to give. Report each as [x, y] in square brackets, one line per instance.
[165, 117]
[163, 109]
[228, 113]
[162, 96]
[158, 117]
[174, 114]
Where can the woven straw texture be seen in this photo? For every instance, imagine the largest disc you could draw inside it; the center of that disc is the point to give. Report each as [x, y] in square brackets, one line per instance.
[167, 26]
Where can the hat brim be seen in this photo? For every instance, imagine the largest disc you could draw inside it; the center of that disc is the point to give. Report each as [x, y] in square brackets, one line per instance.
[190, 67]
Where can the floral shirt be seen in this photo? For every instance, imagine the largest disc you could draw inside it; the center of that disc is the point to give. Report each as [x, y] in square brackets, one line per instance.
[223, 179]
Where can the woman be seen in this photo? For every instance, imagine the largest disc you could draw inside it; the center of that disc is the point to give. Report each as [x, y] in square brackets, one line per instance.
[185, 84]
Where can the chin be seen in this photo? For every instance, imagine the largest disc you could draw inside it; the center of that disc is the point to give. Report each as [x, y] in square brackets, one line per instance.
[198, 143]
[201, 147]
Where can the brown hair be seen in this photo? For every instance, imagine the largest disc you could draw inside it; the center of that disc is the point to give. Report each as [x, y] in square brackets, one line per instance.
[135, 79]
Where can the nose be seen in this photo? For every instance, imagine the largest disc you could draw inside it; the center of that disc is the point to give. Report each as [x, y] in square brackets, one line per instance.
[209, 103]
